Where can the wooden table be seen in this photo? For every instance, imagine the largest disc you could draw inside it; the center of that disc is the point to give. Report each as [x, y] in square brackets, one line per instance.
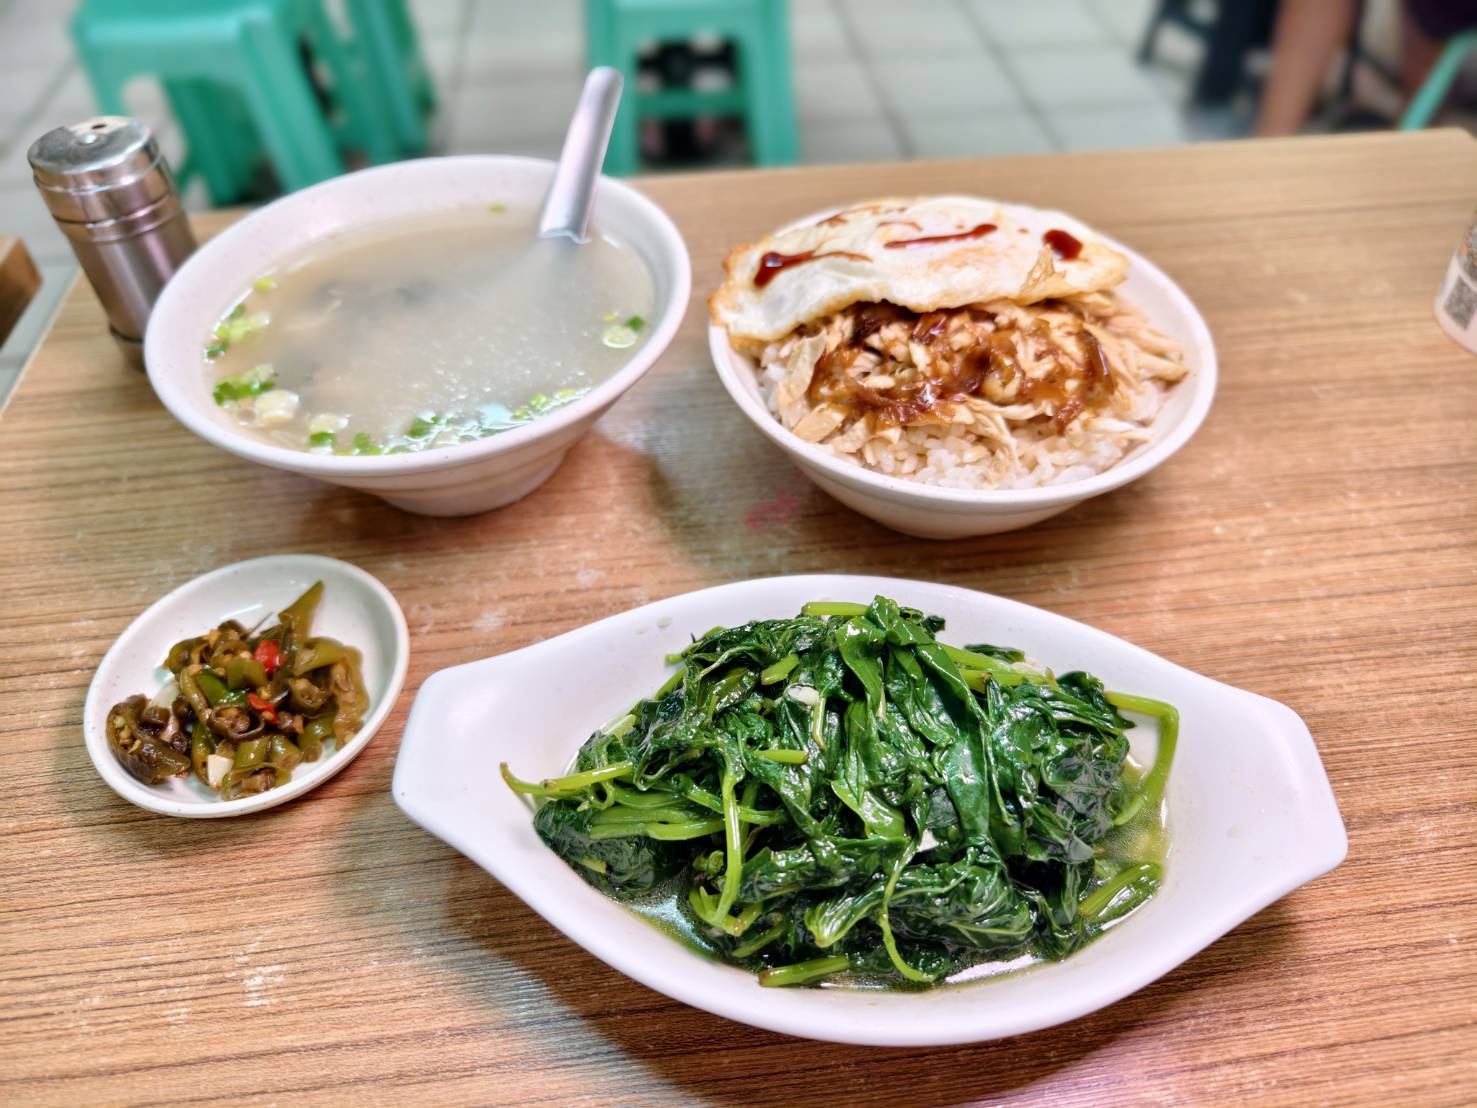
[19, 280]
[1316, 542]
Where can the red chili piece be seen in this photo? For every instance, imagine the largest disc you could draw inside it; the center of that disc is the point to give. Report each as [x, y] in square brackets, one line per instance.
[269, 654]
[264, 707]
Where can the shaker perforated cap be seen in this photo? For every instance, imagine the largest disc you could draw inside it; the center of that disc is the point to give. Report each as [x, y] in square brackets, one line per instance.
[101, 169]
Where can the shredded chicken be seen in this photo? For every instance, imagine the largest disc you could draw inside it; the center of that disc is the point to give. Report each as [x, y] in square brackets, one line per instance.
[979, 396]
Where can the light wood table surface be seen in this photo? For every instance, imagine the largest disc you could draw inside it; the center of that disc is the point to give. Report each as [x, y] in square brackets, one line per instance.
[1316, 542]
[19, 280]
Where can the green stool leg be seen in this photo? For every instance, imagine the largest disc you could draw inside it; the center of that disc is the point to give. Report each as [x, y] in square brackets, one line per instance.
[768, 88]
[422, 87]
[220, 140]
[1432, 93]
[392, 62]
[356, 89]
[606, 45]
[286, 111]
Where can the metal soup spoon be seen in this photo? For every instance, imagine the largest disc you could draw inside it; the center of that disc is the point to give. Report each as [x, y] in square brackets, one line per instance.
[566, 211]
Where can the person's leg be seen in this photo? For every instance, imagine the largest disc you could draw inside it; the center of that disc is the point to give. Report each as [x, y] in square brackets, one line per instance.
[1425, 28]
[1308, 34]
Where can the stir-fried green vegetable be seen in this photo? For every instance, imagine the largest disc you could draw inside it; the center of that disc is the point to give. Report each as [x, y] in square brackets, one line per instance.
[842, 794]
[244, 708]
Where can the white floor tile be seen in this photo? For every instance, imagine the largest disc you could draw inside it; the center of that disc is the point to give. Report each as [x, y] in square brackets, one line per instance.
[834, 90]
[74, 102]
[34, 38]
[1014, 24]
[921, 86]
[816, 32]
[14, 170]
[518, 113]
[503, 56]
[434, 17]
[1116, 127]
[443, 55]
[23, 215]
[1086, 76]
[918, 28]
[23, 86]
[851, 140]
[962, 136]
[1125, 19]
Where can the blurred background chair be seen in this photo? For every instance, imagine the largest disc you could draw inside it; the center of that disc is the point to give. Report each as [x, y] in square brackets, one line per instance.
[278, 80]
[748, 41]
[1432, 94]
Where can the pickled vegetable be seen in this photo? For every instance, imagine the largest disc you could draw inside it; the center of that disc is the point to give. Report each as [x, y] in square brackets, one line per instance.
[251, 707]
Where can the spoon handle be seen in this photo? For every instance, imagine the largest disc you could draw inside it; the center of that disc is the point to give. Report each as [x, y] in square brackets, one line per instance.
[567, 207]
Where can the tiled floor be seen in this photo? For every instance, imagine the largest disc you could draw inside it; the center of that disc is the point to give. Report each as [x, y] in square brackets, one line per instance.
[875, 80]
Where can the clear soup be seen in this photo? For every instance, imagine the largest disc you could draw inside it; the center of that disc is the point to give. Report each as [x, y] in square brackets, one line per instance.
[427, 332]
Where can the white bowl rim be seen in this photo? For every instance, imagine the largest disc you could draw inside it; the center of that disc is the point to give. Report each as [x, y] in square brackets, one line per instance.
[171, 389]
[136, 792]
[1203, 378]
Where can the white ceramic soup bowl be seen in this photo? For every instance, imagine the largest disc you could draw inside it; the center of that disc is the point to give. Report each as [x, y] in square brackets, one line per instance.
[454, 480]
[935, 512]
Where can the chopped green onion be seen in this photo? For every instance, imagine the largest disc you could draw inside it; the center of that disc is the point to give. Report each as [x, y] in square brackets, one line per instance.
[253, 382]
[618, 336]
[215, 349]
[363, 444]
[237, 326]
[321, 438]
[635, 323]
[264, 284]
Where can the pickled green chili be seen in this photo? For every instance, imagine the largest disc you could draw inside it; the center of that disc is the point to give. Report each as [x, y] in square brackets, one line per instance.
[246, 707]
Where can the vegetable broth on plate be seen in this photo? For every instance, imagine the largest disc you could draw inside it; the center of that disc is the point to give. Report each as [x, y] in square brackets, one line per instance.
[427, 331]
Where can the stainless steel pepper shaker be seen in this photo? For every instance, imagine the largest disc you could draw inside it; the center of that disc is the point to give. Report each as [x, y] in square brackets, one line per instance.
[112, 193]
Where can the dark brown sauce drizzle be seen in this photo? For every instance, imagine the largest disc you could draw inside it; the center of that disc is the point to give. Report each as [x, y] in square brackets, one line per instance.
[773, 263]
[963, 374]
[973, 233]
[1066, 246]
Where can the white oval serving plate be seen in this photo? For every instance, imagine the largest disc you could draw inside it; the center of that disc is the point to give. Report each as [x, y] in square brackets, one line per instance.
[356, 609]
[1251, 814]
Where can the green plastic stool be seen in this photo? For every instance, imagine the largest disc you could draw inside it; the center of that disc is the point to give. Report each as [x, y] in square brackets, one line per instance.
[228, 157]
[1432, 93]
[392, 49]
[764, 95]
[209, 53]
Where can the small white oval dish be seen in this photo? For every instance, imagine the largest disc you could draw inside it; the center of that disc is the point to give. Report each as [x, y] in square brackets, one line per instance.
[1251, 814]
[936, 512]
[356, 609]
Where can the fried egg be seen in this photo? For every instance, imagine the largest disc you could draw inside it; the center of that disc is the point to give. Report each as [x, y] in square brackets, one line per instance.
[924, 254]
